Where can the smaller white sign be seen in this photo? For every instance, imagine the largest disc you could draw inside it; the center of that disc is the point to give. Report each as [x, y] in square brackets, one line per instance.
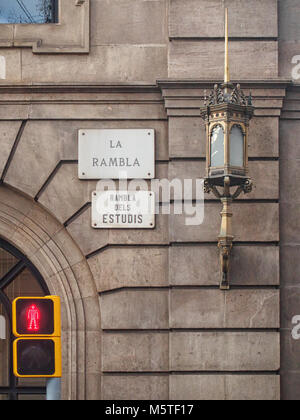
[2, 67]
[123, 210]
[2, 328]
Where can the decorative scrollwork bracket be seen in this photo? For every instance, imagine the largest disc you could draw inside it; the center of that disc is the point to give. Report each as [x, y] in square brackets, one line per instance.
[225, 239]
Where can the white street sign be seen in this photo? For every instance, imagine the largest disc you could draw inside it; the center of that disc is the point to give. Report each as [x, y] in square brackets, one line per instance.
[116, 154]
[2, 328]
[123, 209]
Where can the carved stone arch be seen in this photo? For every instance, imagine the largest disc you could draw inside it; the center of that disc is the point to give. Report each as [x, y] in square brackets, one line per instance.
[47, 244]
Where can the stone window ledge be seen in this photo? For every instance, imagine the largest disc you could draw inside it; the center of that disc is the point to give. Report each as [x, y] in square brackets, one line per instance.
[70, 35]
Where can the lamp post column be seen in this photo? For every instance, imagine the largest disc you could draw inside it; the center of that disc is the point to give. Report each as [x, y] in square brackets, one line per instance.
[225, 237]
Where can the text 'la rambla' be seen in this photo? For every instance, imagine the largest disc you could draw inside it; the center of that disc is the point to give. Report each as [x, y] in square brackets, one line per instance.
[116, 161]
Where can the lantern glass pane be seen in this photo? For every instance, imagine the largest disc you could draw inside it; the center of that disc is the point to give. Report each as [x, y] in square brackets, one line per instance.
[217, 147]
[236, 146]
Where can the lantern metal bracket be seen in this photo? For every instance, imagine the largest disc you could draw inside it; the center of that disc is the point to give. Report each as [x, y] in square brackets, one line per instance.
[225, 238]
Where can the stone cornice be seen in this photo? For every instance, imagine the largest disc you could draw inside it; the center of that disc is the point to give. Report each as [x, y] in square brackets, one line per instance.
[52, 101]
[185, 97]
[162, 85]
[209, 83]
[74, 87]
[291, 108]
[179, 97]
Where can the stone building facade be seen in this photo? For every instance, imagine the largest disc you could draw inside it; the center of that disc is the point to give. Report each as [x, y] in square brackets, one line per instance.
[143, 315]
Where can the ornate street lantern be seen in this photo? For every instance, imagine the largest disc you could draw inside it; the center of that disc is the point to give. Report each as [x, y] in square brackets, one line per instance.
[227, 112]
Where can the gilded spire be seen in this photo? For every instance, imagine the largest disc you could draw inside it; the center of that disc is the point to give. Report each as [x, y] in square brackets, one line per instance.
[227, 92]
[226, 72]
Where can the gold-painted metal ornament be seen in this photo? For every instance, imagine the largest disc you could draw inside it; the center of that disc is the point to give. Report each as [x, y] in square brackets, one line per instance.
[227, 112]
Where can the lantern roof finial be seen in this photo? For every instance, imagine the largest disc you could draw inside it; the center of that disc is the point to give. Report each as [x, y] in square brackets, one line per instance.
[226, 72]
[227, 92]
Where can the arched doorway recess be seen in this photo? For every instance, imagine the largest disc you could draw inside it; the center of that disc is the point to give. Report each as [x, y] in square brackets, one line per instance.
[61, 269]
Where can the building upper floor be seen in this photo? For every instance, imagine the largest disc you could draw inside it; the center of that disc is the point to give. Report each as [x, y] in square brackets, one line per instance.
[142, 41]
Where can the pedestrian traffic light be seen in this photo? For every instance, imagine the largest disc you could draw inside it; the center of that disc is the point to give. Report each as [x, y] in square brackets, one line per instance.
[36, 316]
[37, 350]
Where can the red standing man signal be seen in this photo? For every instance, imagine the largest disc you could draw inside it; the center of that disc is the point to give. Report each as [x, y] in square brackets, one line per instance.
[33, 318]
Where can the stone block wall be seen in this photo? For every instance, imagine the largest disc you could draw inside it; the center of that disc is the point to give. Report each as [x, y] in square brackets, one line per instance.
[289, 228]
[162, 329]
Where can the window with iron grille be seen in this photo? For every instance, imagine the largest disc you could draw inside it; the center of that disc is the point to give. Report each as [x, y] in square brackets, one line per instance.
[18, 277]
[46, 26]
[28, 11]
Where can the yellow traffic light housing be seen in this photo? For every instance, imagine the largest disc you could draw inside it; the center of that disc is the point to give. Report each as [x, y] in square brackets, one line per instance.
[36, 322]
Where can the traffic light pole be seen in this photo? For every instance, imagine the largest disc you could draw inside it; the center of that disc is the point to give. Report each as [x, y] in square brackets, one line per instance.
[54, 389]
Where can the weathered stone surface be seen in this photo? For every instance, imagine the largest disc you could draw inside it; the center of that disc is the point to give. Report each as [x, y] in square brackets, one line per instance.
[289, 60]
[187, 137]
[105, 63]
[250, 387]
[289, 135]
[221, 351]
[289, 15]
[104, 111]
[93, 353]
[34, 159]
[290, 385]
[85, 281]
[157, 236]
[93, 387]
[290, 348]
[290, 265]
[135, 388]
[205, 59]
[186, 269]
[225, 387]
[66, 194]
[250, 265]
[135, 352]
[289, 231]
[38, 219]
[264, 137]
[255, 265]
[197, 387]
[88, 239]
[7, 35]
[13, 111]
[265, 177]
[70, 253]
[135, 309]
[290, 180]
[191, 18]
[129, 22]
[236, 309]
[130, 267]
[290, 295]
[8, 134]
[256, 222]
[12, 68]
